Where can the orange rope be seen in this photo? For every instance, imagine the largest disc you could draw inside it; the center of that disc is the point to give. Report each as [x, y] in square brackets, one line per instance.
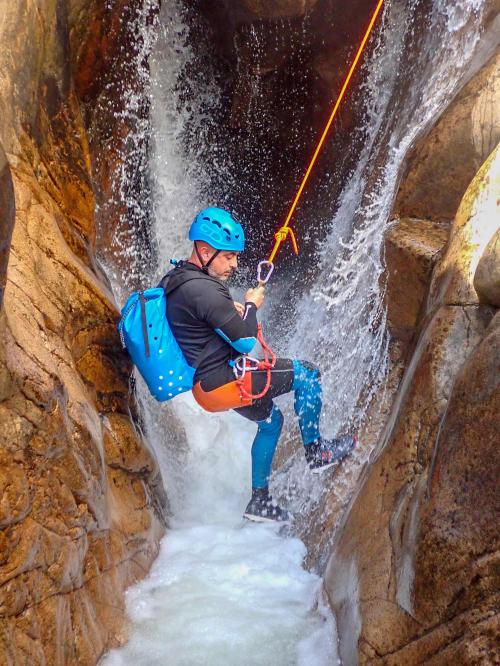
[283, 231]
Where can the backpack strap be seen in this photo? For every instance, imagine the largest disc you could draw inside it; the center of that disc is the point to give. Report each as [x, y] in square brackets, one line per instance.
[142, 301]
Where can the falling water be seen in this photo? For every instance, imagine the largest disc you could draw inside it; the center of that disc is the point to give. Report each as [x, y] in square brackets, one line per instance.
[221, 591]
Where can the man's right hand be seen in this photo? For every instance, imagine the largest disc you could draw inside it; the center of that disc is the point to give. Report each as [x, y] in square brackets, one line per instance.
[255, 296]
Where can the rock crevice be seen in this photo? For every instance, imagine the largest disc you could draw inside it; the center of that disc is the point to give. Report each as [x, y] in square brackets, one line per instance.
[426, 562]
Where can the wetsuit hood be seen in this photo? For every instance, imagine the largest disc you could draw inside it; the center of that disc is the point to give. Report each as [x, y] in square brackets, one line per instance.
[183, 271]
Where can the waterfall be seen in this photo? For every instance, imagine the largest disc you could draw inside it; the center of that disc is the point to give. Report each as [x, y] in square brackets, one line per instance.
[221, 591]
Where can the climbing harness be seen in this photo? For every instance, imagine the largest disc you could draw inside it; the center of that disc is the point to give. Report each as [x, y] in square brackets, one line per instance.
[282, 234]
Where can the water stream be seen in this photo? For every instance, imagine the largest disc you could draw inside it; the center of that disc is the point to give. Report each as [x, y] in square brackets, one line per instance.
[224, 591]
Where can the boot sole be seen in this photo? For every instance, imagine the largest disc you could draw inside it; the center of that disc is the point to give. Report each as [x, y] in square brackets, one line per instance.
[261, 519]
[319, 470]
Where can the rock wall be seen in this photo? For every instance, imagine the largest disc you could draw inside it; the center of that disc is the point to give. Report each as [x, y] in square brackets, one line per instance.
[413, 574]
[441, 167]
[110, 86]
[80, 498]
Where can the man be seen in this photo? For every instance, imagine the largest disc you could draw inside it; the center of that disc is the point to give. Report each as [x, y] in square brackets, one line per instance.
[213, 331]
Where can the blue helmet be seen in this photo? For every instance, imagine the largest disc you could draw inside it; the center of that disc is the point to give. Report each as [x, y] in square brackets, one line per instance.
[219, 229]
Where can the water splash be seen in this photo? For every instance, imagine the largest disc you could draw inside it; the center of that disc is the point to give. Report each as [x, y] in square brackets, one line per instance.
[127, 202]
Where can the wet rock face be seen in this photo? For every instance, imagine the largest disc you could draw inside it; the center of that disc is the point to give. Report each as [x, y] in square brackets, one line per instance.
[443, 163]
[80, 497]
[109, 65]
[413, 576]
[411, 250]
[378, 540]
[458, 553]
[261, 9]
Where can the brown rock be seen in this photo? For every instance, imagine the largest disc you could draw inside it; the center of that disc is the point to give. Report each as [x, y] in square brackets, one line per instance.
[444, 162]
[80, 495]
[411, 249]
[123, 448]
[475, 223]
[458, 554]
[279, 8]
[15, 502]
[370, 572]
[7, 213]
[457, 550]
[413, 575]
[487, 275]
[234, 13]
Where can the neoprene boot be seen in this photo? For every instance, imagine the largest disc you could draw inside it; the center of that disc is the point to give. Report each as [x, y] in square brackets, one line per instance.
[323, 453]
[262, 508]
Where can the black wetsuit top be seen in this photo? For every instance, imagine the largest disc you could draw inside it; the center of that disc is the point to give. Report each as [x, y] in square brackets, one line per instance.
[202, 316]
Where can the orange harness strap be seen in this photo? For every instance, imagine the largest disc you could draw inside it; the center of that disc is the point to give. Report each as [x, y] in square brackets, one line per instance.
[225, 397]
[238, 393]
[267, 364]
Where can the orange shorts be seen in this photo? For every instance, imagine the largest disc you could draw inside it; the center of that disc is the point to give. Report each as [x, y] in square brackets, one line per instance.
[223, 397]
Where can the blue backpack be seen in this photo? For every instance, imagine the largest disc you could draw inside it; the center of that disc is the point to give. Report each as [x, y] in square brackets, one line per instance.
[146, 334]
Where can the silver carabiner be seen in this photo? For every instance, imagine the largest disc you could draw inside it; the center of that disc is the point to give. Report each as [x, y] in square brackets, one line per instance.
[240, 367]
[270, 267]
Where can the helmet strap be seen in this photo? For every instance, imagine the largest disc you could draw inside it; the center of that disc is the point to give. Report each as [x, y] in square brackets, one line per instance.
[204, 267]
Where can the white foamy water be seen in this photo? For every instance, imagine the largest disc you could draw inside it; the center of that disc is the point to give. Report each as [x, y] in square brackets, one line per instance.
[223, 591]
[227, 594]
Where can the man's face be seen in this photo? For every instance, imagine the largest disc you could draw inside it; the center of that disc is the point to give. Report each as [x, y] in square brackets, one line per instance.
[224, 265]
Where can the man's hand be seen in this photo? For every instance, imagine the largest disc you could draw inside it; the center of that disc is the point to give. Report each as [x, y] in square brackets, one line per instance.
[255, 296]
[240, 308]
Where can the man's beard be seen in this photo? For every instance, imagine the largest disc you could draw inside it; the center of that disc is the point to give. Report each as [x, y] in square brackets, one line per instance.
[222, 277]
